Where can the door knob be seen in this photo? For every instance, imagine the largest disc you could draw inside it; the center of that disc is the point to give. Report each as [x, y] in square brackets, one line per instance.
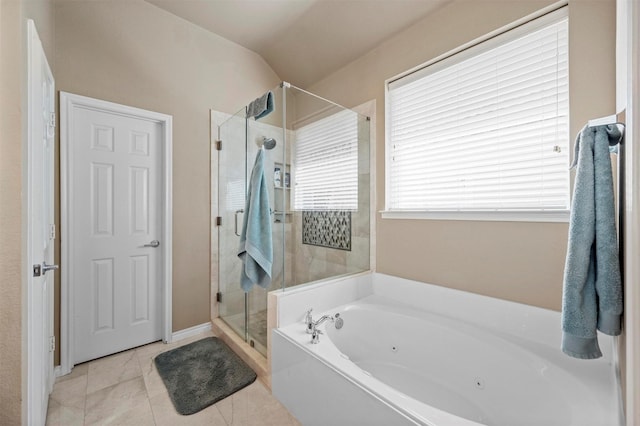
[46, 267]
[154, 244]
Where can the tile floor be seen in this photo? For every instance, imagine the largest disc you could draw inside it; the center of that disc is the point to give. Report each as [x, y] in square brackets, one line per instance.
[125, 389]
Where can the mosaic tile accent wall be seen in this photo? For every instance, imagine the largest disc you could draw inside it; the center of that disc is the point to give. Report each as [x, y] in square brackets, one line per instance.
[331, 228]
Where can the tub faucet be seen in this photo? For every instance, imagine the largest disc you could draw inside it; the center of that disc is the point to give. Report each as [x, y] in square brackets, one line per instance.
[315, 333]
[323, 319]
[312, 326]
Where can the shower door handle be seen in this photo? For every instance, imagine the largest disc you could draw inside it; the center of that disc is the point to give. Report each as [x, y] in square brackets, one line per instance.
[235, 221]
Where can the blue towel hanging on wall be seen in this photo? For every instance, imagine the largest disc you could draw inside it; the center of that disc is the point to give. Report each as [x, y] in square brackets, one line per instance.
[256, 247]
[592, 291]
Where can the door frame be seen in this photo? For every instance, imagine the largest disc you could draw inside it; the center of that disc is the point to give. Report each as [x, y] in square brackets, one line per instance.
[35, 119]
[629, 88]
[68, 103]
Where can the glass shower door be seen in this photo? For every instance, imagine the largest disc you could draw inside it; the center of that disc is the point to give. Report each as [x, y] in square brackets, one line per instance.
[268, 128]
[310, 241]
[232, 181]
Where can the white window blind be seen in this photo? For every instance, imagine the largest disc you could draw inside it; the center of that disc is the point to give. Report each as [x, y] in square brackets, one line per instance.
[485, 129]
[326, 163]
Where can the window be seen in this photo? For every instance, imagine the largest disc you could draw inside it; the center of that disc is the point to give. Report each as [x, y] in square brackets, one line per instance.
[326, 163]
[486, 129]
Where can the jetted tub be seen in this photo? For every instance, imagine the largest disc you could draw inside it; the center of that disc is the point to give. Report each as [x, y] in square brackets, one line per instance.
[411, 353]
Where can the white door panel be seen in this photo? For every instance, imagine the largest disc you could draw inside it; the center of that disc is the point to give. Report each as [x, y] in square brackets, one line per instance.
[117, 211]
[40, 235]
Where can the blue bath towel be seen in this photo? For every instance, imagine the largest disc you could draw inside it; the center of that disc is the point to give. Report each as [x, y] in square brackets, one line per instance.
[592, 293]
[261, 106]
[256, 248]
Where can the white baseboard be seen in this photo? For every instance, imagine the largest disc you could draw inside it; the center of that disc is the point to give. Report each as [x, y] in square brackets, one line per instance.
[191, 331]
[178, 335]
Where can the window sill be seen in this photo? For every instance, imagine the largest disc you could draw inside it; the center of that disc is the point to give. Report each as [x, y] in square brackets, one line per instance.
[496, 216]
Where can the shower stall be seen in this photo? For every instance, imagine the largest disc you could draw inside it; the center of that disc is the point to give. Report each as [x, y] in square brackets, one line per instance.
[317, 170]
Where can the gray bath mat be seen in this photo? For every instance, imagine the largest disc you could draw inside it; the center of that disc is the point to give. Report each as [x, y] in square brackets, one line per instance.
[202, 373]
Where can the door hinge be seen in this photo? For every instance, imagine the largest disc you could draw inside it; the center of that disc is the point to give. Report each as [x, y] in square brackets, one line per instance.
[218, 220]
[52, 119]
[52, 231]
[218, 297]
[219, 145]
[52, 344]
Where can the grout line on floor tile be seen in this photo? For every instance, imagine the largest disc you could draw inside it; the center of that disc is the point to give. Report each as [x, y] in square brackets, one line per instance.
[237, 404]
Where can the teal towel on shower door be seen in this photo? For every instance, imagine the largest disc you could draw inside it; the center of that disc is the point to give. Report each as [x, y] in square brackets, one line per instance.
[592, 291]
[256, 248]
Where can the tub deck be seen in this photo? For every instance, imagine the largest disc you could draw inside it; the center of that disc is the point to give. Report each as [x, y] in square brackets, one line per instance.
[411, 353]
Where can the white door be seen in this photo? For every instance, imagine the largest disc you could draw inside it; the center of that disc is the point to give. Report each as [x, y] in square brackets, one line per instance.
[628, 97]
[116, 206]
[40, 231]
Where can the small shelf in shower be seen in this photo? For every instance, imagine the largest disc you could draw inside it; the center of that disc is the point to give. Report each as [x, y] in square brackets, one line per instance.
[281, 181]
[281, 176]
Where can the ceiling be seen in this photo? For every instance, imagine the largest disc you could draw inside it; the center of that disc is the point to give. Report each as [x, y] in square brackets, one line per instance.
[303, 40]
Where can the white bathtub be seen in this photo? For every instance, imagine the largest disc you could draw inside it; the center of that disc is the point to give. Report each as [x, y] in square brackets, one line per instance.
[412, 353]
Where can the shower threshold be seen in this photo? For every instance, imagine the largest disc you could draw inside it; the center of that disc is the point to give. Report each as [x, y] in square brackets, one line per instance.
[257, 328]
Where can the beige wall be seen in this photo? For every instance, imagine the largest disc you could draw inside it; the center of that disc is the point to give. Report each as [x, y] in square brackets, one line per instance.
[10, 218]
[42, 13]
[511, 260]
[137, 54]
[13, 15]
